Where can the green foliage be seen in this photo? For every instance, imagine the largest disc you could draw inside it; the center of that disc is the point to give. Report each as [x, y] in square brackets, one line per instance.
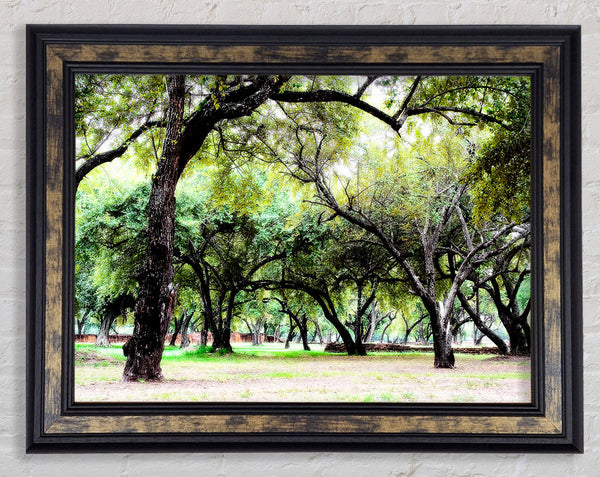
[109, 243]
[108, 108]
[501, 178]
[251, 192]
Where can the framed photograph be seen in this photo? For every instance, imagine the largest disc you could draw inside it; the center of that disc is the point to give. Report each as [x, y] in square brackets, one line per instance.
[304, 238]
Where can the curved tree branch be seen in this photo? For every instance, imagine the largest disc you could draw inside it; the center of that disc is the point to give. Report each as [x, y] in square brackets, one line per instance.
[104, 157]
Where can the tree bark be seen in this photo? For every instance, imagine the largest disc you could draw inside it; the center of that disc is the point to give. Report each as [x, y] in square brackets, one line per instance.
[481, 326]
[102, 339]
[318, 333]
[204, 332]
[442, 337]
[185, 340]
[290, 334]
[176, 330]
[156, 297]
[518, 335]
[157, 294]
[303, 328]
[111, 310]
[254, 329]
[331, 316]
[81, 323]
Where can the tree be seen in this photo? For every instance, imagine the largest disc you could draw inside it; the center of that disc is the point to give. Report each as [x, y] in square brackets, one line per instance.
[228, 250]
[504, 283]
[110, 311]
[297, 316]
[107, 243]
[427, 222]
[115, 110]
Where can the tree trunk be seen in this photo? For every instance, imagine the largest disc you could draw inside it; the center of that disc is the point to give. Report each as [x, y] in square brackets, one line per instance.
[218, 326]
[304, 333]
[81, 323]
[204, 332]
[392, 318]
[176, 330]
[157, 294]
[254, 329]
[421, 333]
[442, 337]
[185, 340]
[374, 320]
[318, 333]
[515, 323]
[519, 343]
[481, 326]
[290, 337]
[256, 338]
[222, 341]
[276, 334]
[290, 334]
[103, 333]
[359, 347]
[343, 333]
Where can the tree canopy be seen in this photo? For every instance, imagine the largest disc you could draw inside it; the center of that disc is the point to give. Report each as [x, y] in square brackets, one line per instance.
[341, 201]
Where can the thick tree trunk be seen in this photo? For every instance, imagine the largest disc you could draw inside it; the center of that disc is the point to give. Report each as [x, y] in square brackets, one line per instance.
[442, 338]
[444, 356]
[518, 336]
[256, 338]
[156, 297]
[222, 341]
[102, 339]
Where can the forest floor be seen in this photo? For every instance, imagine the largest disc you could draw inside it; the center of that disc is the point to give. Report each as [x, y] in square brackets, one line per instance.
[271, 374]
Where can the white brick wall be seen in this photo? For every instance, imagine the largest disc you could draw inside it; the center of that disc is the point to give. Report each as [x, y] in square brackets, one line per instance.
[14, 14]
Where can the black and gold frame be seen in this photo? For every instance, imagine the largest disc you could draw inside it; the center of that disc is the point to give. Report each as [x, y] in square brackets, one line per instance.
[552, 422]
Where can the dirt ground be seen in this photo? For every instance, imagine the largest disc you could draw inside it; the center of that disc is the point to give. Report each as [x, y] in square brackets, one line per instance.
[333, 378]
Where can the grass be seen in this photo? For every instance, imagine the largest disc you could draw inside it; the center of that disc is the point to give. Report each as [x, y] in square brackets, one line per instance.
[271, 373]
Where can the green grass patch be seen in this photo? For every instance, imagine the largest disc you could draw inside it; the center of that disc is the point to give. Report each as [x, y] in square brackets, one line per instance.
[271, 373]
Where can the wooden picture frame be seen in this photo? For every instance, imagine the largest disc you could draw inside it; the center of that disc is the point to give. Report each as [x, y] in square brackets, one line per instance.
[552, 422]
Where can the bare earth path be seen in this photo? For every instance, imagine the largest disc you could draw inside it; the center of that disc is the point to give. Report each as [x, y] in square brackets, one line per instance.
[268, 377]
